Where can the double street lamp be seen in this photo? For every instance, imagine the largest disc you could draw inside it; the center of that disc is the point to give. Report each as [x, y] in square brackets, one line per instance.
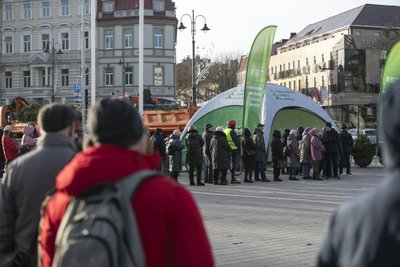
[53, 51]
[193, 19]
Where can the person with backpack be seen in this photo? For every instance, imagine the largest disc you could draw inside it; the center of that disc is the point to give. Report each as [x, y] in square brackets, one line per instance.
[28, 179]
[194, 156]
[174, 149]
[164, 219]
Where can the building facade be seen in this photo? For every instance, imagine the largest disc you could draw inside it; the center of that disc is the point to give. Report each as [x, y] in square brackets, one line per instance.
[338, 62]
[41, 43]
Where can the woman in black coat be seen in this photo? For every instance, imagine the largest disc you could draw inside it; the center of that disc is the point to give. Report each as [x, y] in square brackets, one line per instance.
[277, 154]
[248, 154]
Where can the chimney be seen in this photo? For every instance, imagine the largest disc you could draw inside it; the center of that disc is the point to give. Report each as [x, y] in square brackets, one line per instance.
[292, 34]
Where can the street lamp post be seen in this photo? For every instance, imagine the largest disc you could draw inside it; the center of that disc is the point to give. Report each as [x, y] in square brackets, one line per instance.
[193, 28]
[122, 62]
[53, 53]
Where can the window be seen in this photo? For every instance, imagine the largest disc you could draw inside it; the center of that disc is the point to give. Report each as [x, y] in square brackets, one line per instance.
[109, 40]
[108, 7]
[45, 41]
[65, 8]
[128, 76]
[323, 81]
[27, 43]
[159, 5]
[315, 82]
[86, 41]
[298, 63]
[322, 58]
[158, 38]
[315, 60]
[27, 79]
[158, 76]
[86, 7]
[109, 79]
[9, 44]
[27, 10]
[65, 41]
[306, 61]
[87, 77]
[44, 83]
[8, 79]
[45, 12]
[128, 38]
[64, 77]
[8, 12]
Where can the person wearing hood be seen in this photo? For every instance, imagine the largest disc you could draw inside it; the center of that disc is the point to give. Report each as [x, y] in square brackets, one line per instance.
[207, 136]
[27, 141]
[220, 156]
[29, 178]
[305, 154]
[261, 154]
[317, 151]
[293, 160]
[174, 148]
[277, 154]
[365, 231]
[194, 156]
[248, 154]
[168, 220]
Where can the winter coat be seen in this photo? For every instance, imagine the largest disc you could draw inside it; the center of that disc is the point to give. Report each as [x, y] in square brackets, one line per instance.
[260, 143]
[249, 150]
[364, 231]
[207, 136]
[175, 160]
[294, 159]
[170, 225]
[159, 144]
[330, 139]
[220, 151]
[317, 148]
[276, 149]
[194, 145]
[305, 148]
[27, 138]
[347, 141]
[28, 179]
[9, 148]
[2, 158]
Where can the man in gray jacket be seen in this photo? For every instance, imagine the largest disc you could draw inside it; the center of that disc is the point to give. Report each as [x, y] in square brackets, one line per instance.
[28, 179]
[365, 231]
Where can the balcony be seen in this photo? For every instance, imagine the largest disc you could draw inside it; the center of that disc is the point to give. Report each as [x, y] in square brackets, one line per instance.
[306, 70]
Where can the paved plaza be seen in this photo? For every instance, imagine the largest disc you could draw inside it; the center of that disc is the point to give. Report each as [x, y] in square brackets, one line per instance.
[275, 224]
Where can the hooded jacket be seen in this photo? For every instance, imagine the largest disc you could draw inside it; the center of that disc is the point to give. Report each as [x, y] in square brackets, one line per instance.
[220, 149]
[169, 222]
[276, 148]
[194, 145]
[248, 152]
[27, 138]
[175, 160]
[10, 150]
[28, 179]
[294, 159]
[317, 148]
[365, 231]
[305, 147]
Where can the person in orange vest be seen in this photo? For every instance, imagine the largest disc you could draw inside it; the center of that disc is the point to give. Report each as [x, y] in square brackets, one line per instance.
[234, 144]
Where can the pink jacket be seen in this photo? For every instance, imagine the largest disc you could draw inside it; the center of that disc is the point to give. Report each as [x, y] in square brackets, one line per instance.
[27, 139]
[317, 148]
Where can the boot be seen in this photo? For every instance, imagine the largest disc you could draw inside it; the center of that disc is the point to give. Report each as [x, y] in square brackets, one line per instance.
[199, 183]
[277, 180]
[234, 181]
[245, 178]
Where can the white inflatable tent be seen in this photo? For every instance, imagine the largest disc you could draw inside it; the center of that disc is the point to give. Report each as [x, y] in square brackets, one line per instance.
[283, 108]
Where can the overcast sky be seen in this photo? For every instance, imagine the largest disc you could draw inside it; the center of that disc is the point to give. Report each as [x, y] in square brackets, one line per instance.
[234, 24]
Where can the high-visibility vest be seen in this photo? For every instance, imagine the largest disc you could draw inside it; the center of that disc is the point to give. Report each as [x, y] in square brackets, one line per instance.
[227, 131]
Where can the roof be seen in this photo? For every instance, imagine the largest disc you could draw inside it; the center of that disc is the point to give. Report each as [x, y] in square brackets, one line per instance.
[367, 15]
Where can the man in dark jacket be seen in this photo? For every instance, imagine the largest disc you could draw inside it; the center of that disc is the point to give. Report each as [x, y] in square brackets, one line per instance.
[207, 136]
[159, 144]
[29, 178]
[194, 156]
[347, 142]
[330, 139]
[365, 231]
[260, 154]
[277, 154]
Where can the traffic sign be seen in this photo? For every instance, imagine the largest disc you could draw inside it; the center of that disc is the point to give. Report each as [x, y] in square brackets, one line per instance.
[77, 88]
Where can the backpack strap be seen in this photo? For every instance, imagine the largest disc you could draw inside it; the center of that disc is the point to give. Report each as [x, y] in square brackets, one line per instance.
[128, 187]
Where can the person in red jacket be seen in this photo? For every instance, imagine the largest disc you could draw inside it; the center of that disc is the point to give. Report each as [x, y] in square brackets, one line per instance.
[169, 222]
[10, 150]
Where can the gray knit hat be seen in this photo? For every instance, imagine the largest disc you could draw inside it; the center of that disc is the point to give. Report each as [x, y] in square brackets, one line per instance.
[115, 122]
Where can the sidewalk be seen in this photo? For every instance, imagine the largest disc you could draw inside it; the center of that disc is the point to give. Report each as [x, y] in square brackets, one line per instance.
[277, 223]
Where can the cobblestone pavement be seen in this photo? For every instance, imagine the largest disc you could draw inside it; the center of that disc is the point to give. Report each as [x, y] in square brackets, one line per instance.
[277, 223]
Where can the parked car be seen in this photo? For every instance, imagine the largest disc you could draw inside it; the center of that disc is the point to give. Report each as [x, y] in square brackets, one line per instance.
[371, 133]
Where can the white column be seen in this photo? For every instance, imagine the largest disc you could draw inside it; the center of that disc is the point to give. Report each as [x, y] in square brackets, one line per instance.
[93, 13]
[46, 75]
[141, 57]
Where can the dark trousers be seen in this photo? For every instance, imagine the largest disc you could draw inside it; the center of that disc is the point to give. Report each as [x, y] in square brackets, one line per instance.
[248, 174]
[208, 172]
[331, 163]
[174, 175]
[233, 163]
[198, 172]
[277, 172]
[260, 171]
[316, 169]
[345, 162]
[223, 175]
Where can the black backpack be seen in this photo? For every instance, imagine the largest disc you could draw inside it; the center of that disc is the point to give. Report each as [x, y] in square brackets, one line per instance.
[100, 229]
